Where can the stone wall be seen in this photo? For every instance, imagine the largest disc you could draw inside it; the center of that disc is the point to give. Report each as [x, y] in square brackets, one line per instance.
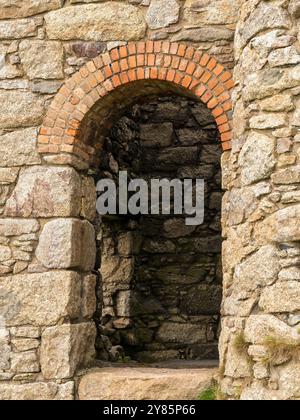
[47, 249]
[260, 335]
[161, 280]
[47, 297]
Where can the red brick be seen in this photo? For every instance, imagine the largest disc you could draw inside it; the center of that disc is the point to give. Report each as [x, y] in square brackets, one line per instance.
[149, 47]
[181, 50]
[123, 51]
[204, 60]
[174, 48]
[226, 146]
[124, 64]
[191, 68]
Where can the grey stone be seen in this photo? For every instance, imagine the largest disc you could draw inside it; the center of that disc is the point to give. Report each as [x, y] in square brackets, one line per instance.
[171, 332]
[281, 226]
[16, 227]
[37, 391]
[140, 384]
[19, 8]
[153, 135]
[42, 59]
[265, 16]
[17, 29]
[65, 348]
[257, 158]
[97, 22]
[19, 148]
[162, 13]
[46, 192]
[208, 34]
[40, 299]
[25, 362]
[258, 270]
[67, 243]
[20, 109]
[287, 176]
[261, 327]
[281, 297]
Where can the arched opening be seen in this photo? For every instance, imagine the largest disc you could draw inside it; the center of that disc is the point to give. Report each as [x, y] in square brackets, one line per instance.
[154, 109]
[160, 284]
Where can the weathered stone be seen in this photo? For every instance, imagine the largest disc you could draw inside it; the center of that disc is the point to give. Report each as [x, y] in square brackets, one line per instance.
[282, 226]
[19, 148]
[289, 379]
[141, 384]
[89, 196]
[65, 348]
[237, 363]
[25, 332]
[5, 253]
[281, 102]
[106, 22]
[269, 82]
[265, 121]
[40, 299]
[5, 350]
[171, 332]
[296, 116]
[208, 34]
[257, 158]
[282, 297]
[8, 175]
[176, 228]
[17, 29]
[15, 227]
[291, 273]
[117, 270]
[42, 59]
[162, 13]
[287, 176]
[294, 8]
[284, 56]
[238, 205]
[45, 86]
[20, 8]
[46, 192]
[88, 296]
[222, 12]
[25, 362]
[37, 391]
[152, 135]
[20, 109]
[258, 270]
[258, 393]
[261, 327]
[265, 16]
[271, 40]
[24, 344]
[202, 299]
[130, 303]
[67, 243]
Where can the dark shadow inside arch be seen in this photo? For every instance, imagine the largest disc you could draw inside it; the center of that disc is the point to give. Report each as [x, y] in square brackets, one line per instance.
[160, 282]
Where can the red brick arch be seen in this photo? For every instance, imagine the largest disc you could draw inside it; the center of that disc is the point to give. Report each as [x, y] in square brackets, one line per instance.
[179, 65]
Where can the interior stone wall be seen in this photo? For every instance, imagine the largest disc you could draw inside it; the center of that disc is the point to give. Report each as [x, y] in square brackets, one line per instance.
[161, 282]
[260, 334]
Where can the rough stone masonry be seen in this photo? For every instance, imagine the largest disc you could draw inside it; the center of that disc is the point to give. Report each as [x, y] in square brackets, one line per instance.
[83, 62]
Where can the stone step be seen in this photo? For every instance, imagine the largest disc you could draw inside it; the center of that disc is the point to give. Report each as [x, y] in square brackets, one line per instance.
[145, 383]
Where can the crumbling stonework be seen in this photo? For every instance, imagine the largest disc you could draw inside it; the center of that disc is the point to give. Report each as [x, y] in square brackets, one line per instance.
[260, 335]
[68, 71]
